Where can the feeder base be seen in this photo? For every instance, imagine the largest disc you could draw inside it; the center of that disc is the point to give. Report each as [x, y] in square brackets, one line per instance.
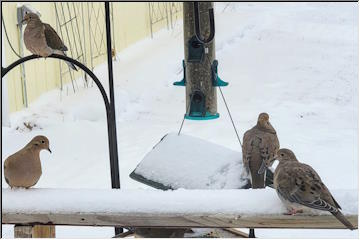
[198, 116]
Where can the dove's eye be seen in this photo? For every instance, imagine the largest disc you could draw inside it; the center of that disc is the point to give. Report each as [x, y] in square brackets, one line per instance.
[42, 141]
[282, 154]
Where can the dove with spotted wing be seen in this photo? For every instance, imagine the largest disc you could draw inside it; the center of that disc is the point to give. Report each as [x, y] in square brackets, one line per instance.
[299, 186]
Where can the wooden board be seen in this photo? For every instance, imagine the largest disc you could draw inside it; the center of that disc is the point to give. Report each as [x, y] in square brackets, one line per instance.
[22, 231]
[173, 221]
[34, 231]
[43, 231]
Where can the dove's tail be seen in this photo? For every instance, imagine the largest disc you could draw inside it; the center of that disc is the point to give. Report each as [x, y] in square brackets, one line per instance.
[257, 180]
[343, 219]
[71, 65]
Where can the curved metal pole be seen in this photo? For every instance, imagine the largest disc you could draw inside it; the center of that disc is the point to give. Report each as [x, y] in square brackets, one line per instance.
[197, 24]
[4, 71]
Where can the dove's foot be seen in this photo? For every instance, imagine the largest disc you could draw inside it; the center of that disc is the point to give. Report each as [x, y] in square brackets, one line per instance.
[44, 55]
[293, 211]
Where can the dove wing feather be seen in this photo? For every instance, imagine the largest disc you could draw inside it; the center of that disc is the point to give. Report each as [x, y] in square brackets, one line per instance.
[52, 38]
[307, 189]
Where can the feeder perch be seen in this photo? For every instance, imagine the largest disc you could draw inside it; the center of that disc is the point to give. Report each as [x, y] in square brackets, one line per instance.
[216, 80]
[183, 81]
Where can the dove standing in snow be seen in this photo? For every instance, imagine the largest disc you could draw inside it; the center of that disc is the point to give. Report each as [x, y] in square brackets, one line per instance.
[298, 185]
[41, 39]
[259, 143]
[23, 168]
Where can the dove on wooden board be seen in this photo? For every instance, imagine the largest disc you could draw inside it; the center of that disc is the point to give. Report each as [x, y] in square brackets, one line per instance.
[299, 186]
[23, 168]
[259, 143]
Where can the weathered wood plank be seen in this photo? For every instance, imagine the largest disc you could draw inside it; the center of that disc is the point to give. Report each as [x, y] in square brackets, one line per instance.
[178, 221]
[22, 231]
[34, 231]
[43, 231]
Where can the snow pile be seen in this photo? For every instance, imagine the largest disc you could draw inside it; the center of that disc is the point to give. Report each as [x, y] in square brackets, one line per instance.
[240, 202]
[183, 161]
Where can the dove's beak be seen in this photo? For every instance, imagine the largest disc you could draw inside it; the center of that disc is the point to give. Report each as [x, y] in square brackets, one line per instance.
[49, 150]
[272, 128]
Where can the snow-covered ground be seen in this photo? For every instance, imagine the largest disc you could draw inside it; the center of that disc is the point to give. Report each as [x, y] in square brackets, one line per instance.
[296, 61]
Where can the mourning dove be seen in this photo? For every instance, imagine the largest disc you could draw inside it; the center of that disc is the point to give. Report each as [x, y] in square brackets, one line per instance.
[259, 143]
[41, 39]
[299, 186]
[23, 168]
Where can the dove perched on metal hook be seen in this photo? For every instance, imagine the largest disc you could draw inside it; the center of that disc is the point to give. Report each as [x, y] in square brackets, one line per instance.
[299, 186]
[41, 39]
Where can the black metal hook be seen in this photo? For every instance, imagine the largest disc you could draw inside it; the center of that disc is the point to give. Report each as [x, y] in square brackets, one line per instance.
[5, 70]
[197, 24]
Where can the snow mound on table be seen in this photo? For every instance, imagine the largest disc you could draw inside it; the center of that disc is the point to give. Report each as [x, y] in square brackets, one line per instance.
[183, 161]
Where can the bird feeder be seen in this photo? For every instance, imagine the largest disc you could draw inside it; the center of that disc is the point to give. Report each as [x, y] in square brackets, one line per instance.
[200, 66]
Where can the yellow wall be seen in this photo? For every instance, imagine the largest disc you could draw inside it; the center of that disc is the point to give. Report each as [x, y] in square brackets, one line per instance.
[34, 70]
[131, 24]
